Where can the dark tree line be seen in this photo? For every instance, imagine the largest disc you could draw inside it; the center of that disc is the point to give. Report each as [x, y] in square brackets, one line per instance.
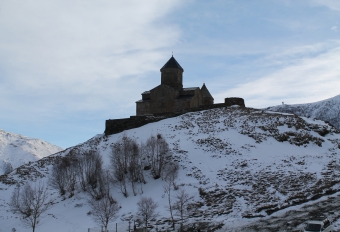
[86, 169]
[63, 176]
[126, 161]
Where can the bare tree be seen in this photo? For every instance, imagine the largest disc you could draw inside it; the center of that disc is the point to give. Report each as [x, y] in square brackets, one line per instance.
[118, 167]
[158, 153]
[82, 168]
[133, 166]
[57, 178]
[63, 176]
[170, 174]
[167, 187]
[96, 180]
[150, 149]
[146, 209]
[104, 210]
[127, 165]
[85, 168]
[183, 199]
[30, 203]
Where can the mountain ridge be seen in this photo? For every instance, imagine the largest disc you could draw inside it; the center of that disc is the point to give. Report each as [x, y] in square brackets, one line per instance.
[326, 110]
[16, 150]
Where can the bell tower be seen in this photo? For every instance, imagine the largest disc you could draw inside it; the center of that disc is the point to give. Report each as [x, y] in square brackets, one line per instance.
[172, 74]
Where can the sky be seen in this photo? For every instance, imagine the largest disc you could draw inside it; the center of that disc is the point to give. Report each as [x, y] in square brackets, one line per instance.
[67, 66]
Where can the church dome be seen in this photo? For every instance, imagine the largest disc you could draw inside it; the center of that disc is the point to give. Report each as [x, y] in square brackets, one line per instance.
[172, 63]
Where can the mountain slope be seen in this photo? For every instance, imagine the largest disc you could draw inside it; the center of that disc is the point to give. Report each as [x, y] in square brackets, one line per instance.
[16, 150]
[240, 165]
[326, 110]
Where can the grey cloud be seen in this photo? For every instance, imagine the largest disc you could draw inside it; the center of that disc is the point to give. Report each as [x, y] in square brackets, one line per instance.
[73, 54]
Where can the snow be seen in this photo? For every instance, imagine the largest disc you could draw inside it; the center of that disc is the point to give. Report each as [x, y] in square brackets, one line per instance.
[326, 110]
[233, 154]
[17, 150]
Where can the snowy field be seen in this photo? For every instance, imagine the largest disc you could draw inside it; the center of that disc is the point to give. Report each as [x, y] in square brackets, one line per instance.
[245, 168]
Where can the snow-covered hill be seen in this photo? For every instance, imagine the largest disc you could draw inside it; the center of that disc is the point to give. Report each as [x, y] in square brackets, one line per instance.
[326, 110]
[239, 164]
[16, 150]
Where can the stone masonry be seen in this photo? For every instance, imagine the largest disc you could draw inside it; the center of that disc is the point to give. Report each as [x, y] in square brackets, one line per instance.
[167, 100]
[170, 96]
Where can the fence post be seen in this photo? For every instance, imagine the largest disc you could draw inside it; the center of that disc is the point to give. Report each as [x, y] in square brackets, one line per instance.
[88, 230]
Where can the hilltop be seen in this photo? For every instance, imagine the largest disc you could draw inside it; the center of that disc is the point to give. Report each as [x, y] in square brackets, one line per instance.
[239, 164]
[326, 110]
[16, 150]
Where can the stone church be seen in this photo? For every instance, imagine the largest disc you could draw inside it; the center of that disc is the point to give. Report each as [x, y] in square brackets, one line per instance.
[170, 96]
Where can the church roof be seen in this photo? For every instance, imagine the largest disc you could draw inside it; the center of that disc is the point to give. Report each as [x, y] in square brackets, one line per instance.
[190, 89]
[205, 92]
[172, 63]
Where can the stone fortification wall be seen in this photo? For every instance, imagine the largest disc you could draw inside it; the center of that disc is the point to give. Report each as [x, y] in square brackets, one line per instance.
[114, 126]
[230, 101]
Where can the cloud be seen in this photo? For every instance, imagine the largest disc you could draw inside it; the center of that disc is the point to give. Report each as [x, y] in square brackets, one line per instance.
[78, 55]
[306, 80]
[332, 4]
[334, 28]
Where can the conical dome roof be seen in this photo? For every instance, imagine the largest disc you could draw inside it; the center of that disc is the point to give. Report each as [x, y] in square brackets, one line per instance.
[172, 63]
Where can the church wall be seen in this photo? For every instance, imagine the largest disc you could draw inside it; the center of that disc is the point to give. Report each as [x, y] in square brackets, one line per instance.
[163, 99]
[143, 108]
[207, 101]
[181, 104]
[196, 100]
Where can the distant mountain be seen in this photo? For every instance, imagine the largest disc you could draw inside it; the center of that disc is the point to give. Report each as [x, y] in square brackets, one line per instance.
[16, 150]
[239, 164]
[327, 110]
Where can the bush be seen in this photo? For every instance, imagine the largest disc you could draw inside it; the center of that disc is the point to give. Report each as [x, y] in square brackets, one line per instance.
[201, 192]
